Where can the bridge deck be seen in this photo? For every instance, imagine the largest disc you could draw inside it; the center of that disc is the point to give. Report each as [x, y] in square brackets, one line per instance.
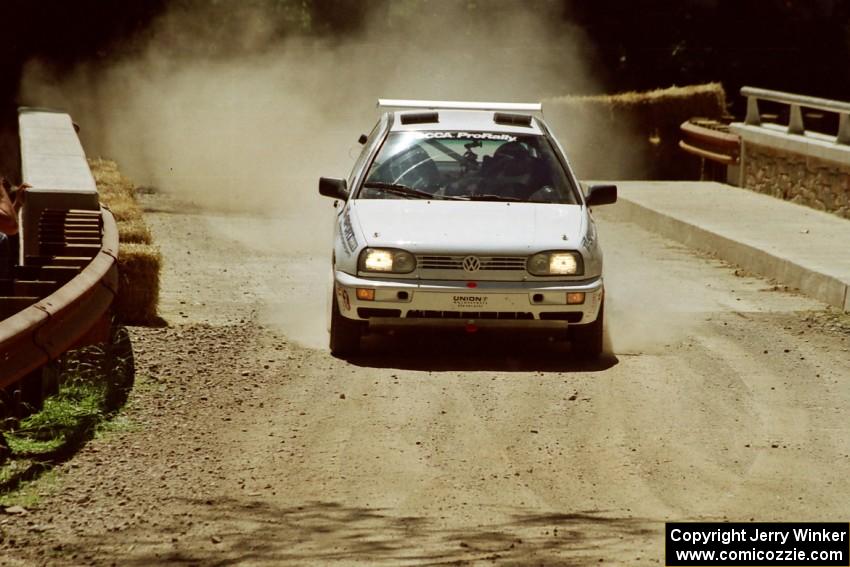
[795, 245]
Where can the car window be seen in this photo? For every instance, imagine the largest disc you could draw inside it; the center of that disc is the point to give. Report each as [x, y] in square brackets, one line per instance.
[467, 166]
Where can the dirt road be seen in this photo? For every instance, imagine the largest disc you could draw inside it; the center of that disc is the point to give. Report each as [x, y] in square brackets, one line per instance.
[725, 399]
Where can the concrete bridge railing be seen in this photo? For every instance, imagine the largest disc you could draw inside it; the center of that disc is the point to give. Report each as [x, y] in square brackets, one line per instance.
[792, 162]
[796, 103]
[54, 164]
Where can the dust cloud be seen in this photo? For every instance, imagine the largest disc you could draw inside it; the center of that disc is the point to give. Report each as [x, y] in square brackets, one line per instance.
[642, 318]
[250, 126]
[214, 107]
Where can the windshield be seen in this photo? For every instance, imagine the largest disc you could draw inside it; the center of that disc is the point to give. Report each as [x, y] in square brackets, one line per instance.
[489, 166]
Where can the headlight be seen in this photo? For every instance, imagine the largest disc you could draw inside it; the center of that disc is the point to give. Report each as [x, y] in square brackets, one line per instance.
[386, 260]
[556, 264]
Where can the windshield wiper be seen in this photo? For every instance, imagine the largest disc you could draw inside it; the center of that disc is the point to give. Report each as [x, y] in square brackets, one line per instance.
[489, 197]
[405, 191]
[398, 189]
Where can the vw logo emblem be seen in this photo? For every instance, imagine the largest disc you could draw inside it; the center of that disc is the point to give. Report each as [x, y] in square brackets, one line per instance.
[471, 264]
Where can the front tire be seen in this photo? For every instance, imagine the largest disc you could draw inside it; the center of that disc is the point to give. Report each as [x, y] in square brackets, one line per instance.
[345, 333]
[588, 340]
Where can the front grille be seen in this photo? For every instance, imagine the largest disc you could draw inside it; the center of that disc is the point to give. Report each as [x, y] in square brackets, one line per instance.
[433, 262]
[503, 315]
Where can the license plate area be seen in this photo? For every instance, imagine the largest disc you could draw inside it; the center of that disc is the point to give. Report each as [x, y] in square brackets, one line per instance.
[472, 302]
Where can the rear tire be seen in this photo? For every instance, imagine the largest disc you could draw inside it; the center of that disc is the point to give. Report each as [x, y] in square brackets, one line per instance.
[588, 340]
[345, 333]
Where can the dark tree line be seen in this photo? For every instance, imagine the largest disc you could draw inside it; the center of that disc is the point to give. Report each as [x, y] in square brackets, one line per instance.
[799, 46]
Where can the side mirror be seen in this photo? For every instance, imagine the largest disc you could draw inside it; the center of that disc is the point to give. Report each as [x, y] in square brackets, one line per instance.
[334, 188]
[601, 195]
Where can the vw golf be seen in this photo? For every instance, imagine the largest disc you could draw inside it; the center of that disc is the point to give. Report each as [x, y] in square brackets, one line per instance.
[468, 215]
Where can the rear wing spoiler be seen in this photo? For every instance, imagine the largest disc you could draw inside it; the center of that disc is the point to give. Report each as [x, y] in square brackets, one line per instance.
[460, 105]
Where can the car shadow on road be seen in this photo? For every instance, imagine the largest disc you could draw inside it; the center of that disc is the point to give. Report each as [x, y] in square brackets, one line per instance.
[237, 531]
[460, 351]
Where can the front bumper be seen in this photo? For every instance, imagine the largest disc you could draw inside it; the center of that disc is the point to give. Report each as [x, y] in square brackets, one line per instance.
[403, 303]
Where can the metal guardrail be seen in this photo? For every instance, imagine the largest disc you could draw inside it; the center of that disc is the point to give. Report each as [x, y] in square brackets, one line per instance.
[66, 276]
[796, 103]
[71, 316]
[711, 140]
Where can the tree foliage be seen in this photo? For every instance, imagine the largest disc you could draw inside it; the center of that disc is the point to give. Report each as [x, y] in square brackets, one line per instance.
[799, 46]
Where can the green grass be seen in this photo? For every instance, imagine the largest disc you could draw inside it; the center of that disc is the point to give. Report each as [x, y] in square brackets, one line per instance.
[93, 385]
[116, 424]
[65, 422]
[79, 404]
[25, 446]
[27, 494]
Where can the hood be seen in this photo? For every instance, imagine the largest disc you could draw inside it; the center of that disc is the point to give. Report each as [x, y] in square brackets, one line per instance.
[422, 226]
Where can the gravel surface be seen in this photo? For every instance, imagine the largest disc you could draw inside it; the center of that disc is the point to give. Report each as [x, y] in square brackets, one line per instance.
[726, 398]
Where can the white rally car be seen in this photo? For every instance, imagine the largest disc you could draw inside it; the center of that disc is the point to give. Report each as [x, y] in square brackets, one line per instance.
[465, 215]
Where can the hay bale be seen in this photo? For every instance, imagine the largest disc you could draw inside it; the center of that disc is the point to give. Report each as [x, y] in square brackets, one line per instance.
[138, 283]
[138, 261]
[134, 231]
[116, 191]
[123, 208]
[635, 134]
[109, 179]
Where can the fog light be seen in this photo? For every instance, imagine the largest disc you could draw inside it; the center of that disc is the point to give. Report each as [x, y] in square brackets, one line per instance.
[575, 298]
[369, 294]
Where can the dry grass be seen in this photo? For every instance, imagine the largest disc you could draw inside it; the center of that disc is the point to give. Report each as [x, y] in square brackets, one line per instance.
[138, 260]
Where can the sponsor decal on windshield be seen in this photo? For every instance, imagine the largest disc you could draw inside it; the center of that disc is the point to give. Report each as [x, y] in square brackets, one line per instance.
[465, 135]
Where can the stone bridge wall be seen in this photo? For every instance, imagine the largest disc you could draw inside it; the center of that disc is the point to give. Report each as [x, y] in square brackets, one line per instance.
[809, 169]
